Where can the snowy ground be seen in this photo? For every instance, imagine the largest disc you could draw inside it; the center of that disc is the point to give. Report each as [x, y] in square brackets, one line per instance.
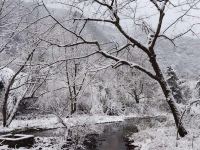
[50, 121]
[166, 139]
[165, 136]
[53, 122]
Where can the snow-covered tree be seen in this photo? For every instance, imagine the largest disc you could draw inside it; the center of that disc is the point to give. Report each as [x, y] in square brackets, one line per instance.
[113, 13]
[187, 92]
[197, 88]
[16, 92]
[173, 82]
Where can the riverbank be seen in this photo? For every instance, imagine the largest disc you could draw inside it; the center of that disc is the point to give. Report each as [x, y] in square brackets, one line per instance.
[52, 122]
[165, 137]
[90, 130]
[50, 134]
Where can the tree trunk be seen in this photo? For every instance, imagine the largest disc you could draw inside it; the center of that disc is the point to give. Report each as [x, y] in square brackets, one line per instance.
[168, 95]
[172, 104]
[136, 97]
[2, 97]
[4, 106]
[4, 115]
[12, 113]
[4, 109]
[74, 86]
[73, 107]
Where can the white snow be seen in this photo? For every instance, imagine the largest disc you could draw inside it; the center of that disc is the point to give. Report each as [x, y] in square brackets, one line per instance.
[52, 121]
[165, 139]
[5, 75]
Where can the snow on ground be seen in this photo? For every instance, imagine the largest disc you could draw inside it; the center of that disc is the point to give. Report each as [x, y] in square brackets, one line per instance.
[53, 122]
[162, 137]
[166, 139]
[50, 122]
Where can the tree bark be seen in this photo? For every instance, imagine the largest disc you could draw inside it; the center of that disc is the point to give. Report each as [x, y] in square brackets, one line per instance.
[73, 107]
[2, 97]
[13, 112]
[175, 111]
[169, 97]
[4, 110]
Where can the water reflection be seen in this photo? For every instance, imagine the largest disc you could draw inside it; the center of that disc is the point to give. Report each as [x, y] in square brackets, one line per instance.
[114, 137]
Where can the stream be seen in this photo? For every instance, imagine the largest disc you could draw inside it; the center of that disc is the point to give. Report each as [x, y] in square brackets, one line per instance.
[113, 137]
[107, 136]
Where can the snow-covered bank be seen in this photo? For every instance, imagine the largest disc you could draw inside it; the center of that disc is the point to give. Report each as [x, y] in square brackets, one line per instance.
[51, 122]
[165, 138]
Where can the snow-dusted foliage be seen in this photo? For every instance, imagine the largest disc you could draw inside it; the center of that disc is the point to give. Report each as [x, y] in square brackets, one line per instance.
[174, 83]
[5, 75]
[197, 88]
[18, 89]
[150, 38]
[186, 90]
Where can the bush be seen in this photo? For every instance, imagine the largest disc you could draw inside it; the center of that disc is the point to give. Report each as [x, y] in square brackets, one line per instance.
[83, 108]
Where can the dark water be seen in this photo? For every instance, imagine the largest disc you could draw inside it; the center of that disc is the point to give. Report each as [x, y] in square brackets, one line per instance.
[114, 137]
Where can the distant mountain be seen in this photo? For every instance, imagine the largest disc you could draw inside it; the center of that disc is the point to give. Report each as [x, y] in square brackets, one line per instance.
[185, 58]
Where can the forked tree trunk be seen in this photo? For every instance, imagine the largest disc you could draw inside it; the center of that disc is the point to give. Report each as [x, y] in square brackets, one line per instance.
[12, 113]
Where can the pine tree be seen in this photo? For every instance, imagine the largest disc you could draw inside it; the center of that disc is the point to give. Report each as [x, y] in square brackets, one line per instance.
[173, 82]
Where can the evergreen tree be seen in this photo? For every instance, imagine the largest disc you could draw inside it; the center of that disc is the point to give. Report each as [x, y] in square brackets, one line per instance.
[173, 82]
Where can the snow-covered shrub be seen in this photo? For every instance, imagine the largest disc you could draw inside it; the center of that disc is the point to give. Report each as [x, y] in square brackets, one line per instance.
[96, 105]
[114, 108]
[83, 108]
[5, 75]
[54, 102]
[84, 104]
[197, 89]
[186, 91]
[173, 82]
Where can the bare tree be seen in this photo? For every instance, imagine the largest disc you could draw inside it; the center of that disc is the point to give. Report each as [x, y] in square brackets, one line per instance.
[8, 116]
[113, 12]
[16, 43]
[73, 87]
